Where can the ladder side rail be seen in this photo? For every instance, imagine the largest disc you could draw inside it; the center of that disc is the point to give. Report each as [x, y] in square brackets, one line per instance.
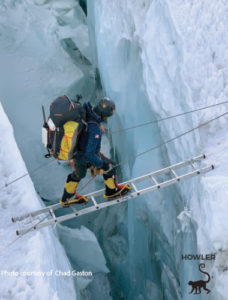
[145, 190]
[37, 212]
[154, 173]
[174, 180]
[82, 212]
[119, 200]
[167, 169]
[135, 180]
[79, 213]
[100, 192]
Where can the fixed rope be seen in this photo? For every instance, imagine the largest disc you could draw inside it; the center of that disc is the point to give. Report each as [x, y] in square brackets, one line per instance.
[140, 154]
[176, 137]
[2, 250]
[144, 152]
[166, 118]
[26, 174]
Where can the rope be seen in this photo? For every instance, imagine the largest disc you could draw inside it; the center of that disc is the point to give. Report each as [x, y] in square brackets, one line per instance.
[20, 236]
[140, 154]
[175, 138]
[88, 183]
[166, 118]
[26, 174]
[133, 127]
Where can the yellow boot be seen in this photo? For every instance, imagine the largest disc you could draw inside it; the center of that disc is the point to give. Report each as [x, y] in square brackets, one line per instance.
[70, 195]
[113, 190]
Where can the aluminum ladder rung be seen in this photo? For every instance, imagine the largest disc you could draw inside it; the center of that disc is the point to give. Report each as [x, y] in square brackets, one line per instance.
[37, 212]
[175, 174]
[135, 188]
[100, 192]
[73, 208]
[193, 166]
[94, 202]
[133, 194]
[154, 180]
[154, 173]
[113, 202]
[52, 214]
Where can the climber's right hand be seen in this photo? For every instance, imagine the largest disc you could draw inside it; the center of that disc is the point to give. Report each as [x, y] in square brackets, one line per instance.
[107, 167]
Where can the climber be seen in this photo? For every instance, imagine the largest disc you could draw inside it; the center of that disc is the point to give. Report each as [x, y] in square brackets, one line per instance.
[88, 155]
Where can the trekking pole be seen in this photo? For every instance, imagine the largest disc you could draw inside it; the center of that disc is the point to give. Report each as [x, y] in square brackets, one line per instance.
[88, 183]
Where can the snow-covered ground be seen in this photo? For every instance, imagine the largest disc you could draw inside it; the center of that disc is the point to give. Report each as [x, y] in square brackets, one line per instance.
[39, 252]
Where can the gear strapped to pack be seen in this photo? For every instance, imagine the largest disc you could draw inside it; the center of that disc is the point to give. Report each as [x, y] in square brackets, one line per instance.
[61, 132]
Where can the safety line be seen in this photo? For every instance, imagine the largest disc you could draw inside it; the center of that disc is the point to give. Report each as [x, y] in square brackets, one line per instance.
[140, 154]
[164, 119]
[174, 138]
[26, 174]
[20, 236]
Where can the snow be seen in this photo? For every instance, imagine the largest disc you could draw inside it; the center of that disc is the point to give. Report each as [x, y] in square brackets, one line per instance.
[156, 59]
[36, 252]
[202, 72]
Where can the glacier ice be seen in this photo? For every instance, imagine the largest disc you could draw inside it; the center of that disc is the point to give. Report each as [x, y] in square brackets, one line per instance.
[40, 64]
[36, 62]
[40, 252]
[156, 58]
[87, 252]
[159, 58]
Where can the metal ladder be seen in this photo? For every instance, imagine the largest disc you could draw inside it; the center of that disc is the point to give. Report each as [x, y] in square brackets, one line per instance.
[36, 222]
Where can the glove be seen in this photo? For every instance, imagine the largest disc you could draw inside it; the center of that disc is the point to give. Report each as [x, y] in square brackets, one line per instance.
[107, 166]
[93, 171]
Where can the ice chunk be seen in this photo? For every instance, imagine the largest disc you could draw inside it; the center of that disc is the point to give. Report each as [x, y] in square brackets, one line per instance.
[82, 247]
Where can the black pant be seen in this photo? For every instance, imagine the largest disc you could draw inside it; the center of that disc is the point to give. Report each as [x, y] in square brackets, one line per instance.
[81, 166]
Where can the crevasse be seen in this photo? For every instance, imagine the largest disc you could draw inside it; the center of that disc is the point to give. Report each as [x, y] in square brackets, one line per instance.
[158, 58]
[155, 58]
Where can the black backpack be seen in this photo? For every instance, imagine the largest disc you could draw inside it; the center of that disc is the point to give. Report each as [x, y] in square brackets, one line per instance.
[62, 130]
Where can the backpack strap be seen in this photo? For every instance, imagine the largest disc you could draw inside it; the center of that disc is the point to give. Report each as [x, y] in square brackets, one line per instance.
[71, 102]
[94, 122]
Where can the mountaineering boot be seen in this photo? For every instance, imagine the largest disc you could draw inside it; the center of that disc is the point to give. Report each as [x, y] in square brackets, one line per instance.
[113, 190]
[70, 195]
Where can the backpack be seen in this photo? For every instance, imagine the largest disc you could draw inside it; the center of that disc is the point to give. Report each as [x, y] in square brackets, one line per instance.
[62, 130]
